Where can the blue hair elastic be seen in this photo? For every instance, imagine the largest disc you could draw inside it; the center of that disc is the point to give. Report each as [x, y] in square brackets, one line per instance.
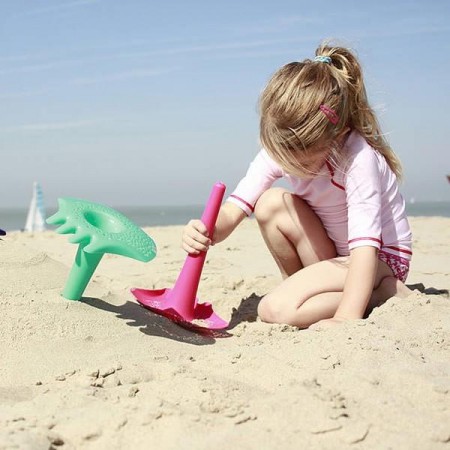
[324, 59]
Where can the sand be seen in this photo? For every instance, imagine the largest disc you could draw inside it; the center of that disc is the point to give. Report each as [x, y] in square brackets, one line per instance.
[105, 373]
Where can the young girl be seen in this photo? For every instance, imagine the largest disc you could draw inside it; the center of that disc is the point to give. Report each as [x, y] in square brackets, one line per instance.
[341, 239]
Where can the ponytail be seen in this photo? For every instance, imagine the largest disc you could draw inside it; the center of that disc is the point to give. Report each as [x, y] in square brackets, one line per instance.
[315, 100]
[354, 109]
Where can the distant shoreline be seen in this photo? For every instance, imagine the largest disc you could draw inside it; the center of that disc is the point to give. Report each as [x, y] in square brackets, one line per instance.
[13, 219]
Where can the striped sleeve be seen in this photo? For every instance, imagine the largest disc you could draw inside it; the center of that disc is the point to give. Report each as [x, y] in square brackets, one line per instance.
[363, 191]
[260, 176]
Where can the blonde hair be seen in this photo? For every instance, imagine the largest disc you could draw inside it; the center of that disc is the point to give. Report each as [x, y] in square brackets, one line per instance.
[292, 122]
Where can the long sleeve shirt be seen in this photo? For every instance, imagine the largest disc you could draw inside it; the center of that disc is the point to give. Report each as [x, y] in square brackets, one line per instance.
[358, 201]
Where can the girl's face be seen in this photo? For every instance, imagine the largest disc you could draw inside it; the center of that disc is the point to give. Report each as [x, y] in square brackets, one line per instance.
[313, 162]
[306, 163]
[315, 157]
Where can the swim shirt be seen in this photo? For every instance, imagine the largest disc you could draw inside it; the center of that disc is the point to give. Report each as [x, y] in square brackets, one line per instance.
[358, 201]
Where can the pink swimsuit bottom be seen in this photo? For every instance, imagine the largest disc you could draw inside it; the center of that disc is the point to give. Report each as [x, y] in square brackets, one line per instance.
[398, 265]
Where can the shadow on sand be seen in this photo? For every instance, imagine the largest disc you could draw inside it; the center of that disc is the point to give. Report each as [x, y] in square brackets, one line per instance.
[428, 291]
[247, 311]
[154, 325]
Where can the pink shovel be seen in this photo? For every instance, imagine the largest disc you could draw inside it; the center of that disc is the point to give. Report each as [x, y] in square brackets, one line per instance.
[180, 303]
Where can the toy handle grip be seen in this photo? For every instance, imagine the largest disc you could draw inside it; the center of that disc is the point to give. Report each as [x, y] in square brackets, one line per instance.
[212, 207]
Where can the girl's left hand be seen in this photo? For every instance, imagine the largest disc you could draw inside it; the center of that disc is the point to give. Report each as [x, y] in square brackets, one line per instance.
[326, 323]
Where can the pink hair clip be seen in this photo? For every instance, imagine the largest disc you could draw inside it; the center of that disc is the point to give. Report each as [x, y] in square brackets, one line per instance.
[330, 113]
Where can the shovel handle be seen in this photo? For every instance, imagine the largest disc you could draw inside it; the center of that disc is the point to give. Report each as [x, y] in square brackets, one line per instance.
[212, 207]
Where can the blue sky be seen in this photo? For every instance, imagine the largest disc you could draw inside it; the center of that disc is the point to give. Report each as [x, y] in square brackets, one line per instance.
[144, 102]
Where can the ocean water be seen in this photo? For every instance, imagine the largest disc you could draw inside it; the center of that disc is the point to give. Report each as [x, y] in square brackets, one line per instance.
[14, 219]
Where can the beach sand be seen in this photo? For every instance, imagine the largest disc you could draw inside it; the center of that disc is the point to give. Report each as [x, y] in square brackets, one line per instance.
[105, 373]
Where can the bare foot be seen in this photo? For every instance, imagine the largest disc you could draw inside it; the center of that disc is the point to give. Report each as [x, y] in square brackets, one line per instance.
[389, 287]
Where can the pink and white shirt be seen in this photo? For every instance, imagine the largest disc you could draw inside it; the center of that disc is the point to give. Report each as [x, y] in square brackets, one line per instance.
[358, 202]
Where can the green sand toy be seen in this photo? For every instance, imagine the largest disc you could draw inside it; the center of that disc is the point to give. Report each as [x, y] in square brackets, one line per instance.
[97, 229]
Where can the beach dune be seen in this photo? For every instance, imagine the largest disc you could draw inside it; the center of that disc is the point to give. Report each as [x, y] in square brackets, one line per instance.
[104, 373]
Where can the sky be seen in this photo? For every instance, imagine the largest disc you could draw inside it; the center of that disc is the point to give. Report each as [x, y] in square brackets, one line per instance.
[143, 102]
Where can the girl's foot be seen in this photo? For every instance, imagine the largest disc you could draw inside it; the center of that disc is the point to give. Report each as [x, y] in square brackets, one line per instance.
[389, 287]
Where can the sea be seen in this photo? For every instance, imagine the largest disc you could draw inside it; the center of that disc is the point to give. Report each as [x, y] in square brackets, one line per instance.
[149, 216]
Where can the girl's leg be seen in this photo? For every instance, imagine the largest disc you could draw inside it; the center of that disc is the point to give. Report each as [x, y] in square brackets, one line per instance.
[297, 240]
[314, 293]
[292, 231]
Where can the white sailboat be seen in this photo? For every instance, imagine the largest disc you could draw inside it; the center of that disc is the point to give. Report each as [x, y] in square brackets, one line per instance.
[36, 212]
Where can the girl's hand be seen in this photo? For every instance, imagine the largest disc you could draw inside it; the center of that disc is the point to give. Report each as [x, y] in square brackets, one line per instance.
[195, 237]
[326, 323]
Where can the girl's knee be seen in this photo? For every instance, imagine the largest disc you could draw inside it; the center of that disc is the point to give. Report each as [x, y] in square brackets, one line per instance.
[270, 202]
[267, 313]
[270, 311]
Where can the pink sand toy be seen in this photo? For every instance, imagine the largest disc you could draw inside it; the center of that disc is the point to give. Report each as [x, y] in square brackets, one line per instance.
[180, 303]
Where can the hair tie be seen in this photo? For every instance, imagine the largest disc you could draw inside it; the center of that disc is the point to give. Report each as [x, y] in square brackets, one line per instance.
[323, 59]
[330, 113]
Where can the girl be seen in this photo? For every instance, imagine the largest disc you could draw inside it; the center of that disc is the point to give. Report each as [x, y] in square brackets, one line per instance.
[341, 239]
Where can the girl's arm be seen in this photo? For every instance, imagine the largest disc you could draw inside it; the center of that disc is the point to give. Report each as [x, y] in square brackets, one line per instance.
[362, 182]
[195, 237]
[230, 216]
[358, 287]
[261, 174]
[359, 283]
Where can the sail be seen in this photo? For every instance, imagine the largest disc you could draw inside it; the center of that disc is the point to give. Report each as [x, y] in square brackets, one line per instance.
[36, 213]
